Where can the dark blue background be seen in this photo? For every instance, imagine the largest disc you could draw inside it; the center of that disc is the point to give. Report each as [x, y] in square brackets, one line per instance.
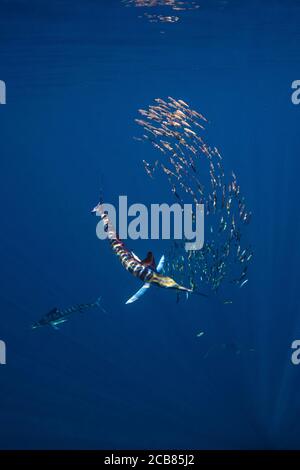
[76, 73]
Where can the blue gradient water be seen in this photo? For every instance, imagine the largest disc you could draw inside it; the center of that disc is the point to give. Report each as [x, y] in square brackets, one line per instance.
[139, 377]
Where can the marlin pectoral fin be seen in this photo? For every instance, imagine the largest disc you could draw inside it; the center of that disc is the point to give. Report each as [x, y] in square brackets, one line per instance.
[98, 302]
[160, 265]
[55, 324]
[139, 293]
[146, 286]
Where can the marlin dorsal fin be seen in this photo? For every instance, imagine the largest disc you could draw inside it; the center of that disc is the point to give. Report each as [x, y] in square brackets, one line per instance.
[149, 260]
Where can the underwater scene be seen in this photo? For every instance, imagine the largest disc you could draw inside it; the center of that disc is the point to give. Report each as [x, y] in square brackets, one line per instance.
[149, 163]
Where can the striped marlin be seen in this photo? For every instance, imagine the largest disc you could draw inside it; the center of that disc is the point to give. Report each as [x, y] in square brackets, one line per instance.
[145, 270]
[56, 317]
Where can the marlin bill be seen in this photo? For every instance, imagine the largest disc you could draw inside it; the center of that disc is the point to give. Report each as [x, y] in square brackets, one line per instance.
[56, 316]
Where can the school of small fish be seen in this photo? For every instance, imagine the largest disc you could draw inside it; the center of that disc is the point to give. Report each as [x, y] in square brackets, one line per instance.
[172, 6]
[195, 174]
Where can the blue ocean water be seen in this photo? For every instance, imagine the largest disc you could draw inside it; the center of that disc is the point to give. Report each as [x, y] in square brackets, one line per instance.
[139, 377]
